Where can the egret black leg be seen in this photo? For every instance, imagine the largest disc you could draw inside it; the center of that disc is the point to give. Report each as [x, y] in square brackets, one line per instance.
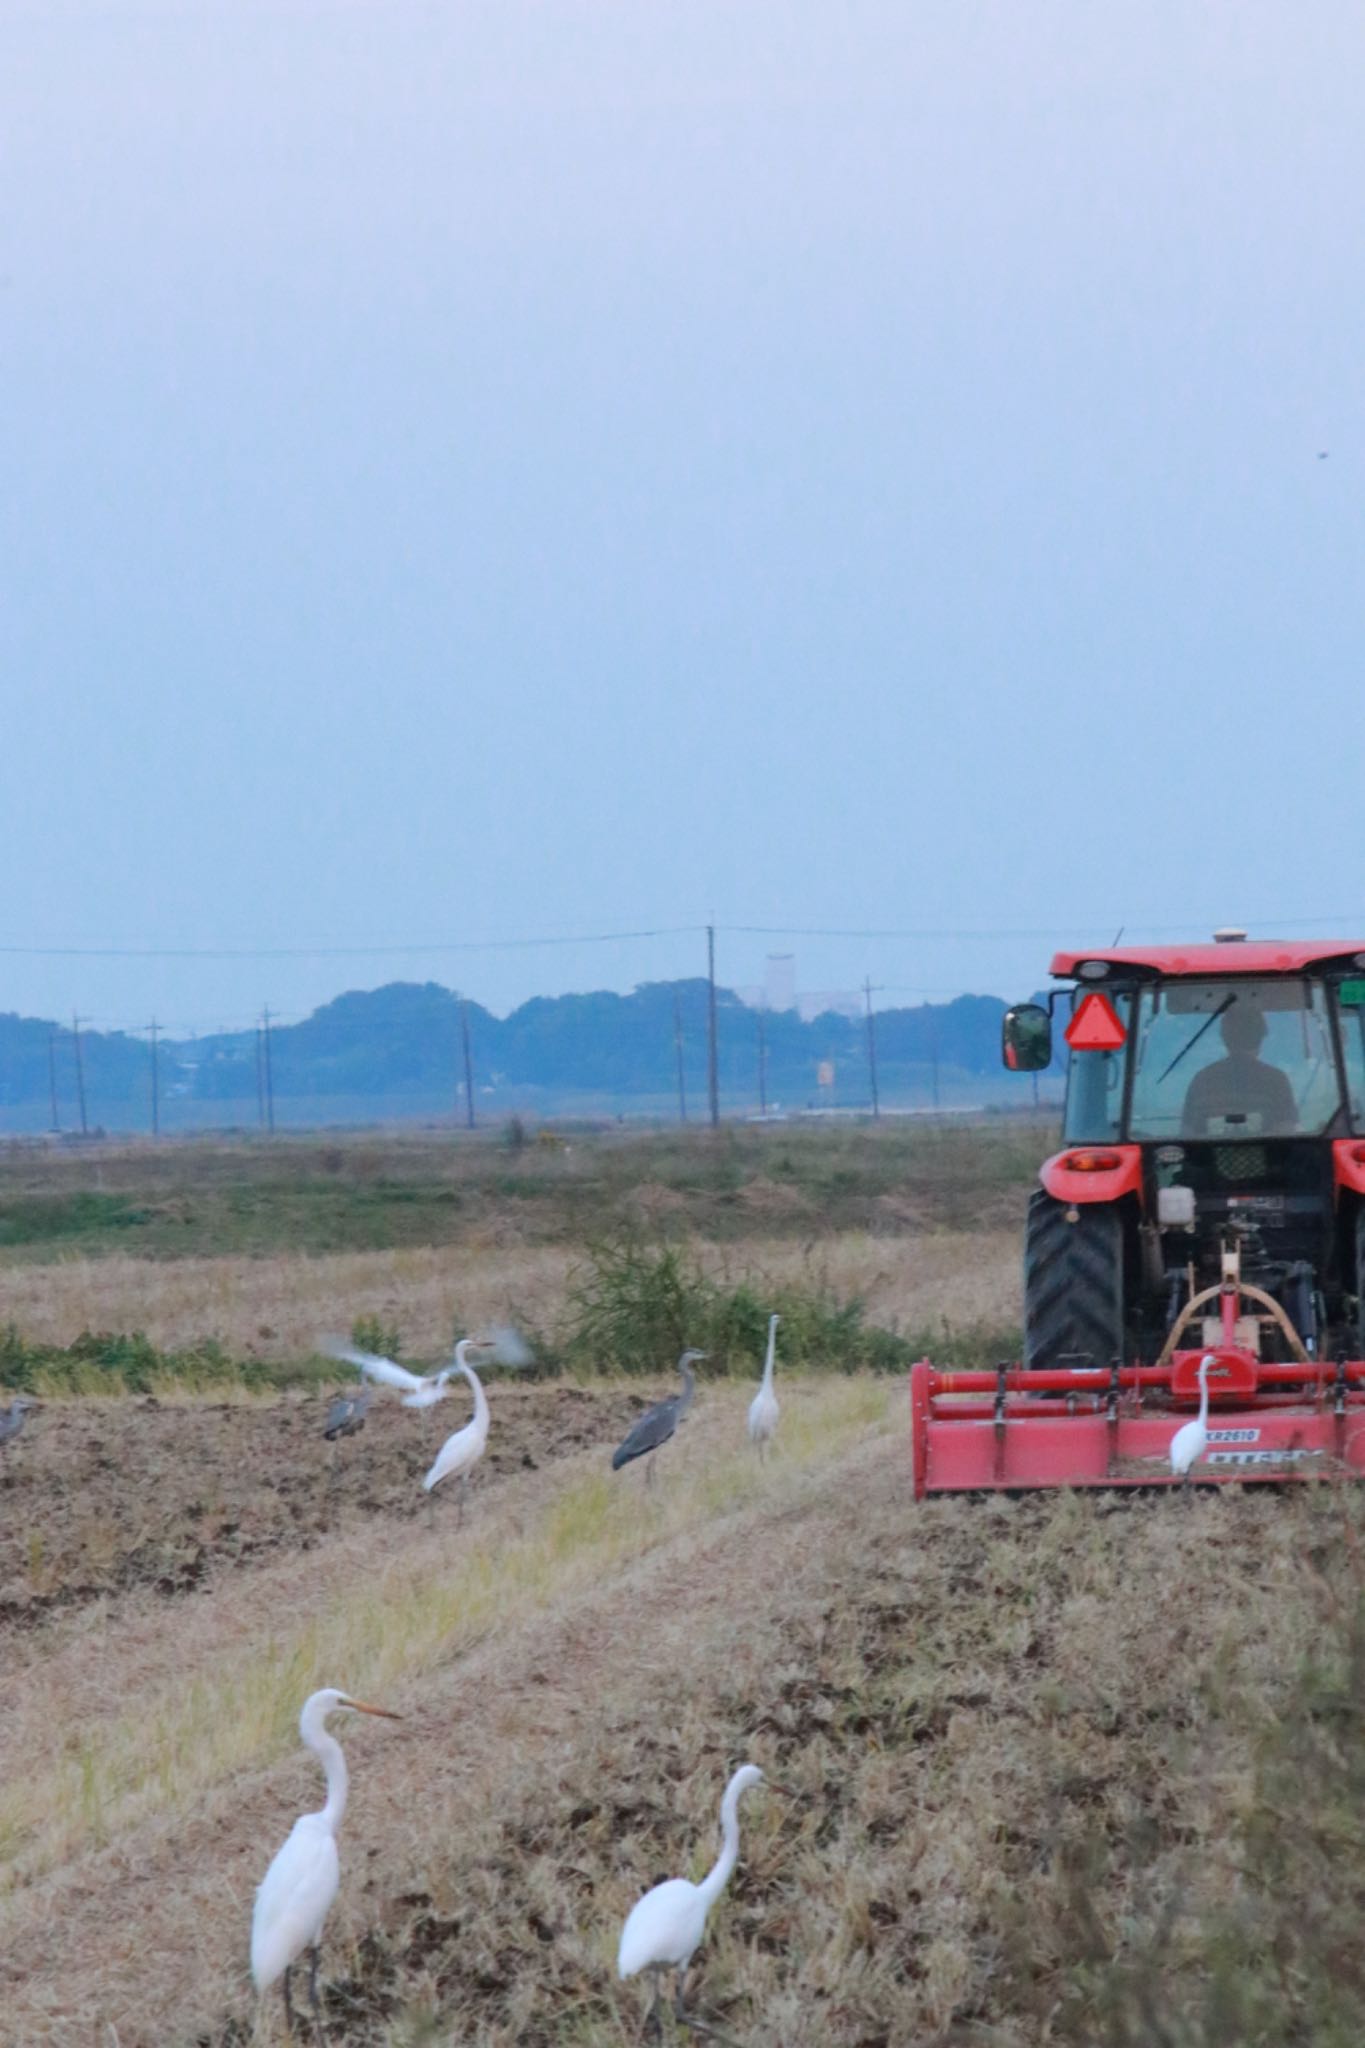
[654, 2022]
[288, 2006]
[692, 2023]
[313, 1955]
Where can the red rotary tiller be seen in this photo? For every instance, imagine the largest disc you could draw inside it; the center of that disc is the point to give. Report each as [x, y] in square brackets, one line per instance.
[1082, 1425]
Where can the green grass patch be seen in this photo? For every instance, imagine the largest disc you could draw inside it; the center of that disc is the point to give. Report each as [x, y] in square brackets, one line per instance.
[381, 1192]
[58, 1219]
[635, 1304]
[125, 1362]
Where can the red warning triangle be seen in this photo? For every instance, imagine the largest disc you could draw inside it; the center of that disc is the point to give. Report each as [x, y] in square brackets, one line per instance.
[1096, 1026]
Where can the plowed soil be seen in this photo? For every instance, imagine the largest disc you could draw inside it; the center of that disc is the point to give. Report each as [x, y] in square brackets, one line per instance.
[1002, 1737]
[100, 1499]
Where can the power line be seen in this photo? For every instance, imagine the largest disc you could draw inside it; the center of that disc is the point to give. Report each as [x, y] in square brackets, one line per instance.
[939, 933]
[1054, 933]
[341, 952]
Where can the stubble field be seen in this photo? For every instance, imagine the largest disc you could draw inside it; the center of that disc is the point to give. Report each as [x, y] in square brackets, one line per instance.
[1075, 1769]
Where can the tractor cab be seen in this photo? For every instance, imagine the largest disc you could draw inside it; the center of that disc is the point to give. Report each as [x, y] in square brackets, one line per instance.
[1215, 1109]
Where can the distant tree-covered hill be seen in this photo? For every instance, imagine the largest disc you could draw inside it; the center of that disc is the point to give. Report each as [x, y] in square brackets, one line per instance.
[397, 1051]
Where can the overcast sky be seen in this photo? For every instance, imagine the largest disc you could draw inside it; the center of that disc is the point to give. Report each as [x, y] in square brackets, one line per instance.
[484, 471]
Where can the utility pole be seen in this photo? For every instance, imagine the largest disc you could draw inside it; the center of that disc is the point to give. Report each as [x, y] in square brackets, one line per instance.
[872, 1048]
[678, 1048]
[52, 1077]
[933, 1059]
[156, 1102]
[80, 1073]
[260, 1079]
[712, 1072]
[268, 1070]
[468, 1066]
[762, 1065]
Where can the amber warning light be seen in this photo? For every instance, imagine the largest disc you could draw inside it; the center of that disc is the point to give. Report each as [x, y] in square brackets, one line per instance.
[1096, 1026]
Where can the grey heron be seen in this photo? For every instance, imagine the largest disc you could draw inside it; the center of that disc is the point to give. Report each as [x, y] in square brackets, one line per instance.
[296, 1893]
[658, 1423]
[347, 1414]
[763, 1409]
[12, 1418]
[664, 1929]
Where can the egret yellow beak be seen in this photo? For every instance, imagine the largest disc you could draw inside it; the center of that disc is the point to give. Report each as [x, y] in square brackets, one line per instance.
[384, 1713]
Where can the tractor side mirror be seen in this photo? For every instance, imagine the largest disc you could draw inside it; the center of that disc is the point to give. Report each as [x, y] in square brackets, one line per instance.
[1026, 1039]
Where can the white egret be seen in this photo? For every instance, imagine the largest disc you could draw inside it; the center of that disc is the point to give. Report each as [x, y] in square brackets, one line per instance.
[297, 1891]
[763, 1409]
[420, 1390]
[504, 1345]
[658, 1423]
[664, 1929]
[460, 1453]
[1191, 1440]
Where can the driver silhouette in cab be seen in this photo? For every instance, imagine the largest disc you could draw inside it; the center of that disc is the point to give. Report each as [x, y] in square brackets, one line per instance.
[1242, 1084]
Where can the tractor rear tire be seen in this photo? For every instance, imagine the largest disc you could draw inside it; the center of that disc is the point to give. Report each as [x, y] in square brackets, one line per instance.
[1073, 1283]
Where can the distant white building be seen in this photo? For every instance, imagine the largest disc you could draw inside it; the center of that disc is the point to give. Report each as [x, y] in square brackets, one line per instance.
[779, 992]
[779, 982]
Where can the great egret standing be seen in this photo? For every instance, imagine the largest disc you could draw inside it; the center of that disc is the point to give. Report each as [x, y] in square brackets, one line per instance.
[296, 1894]
[460, 1453]
[664, 1929]
[763, 1409]
[1191, 1440]
[658, 1423]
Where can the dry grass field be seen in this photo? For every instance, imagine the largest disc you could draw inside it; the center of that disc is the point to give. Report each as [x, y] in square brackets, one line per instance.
[1083, 1769]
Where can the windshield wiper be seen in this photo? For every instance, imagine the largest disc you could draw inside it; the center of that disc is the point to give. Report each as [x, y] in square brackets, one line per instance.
[1191, 1043]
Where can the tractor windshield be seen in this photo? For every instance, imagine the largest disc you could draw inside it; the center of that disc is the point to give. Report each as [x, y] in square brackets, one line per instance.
[1233, 1059]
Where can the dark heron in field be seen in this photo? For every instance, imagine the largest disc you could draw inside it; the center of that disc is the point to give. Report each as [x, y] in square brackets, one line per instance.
[658, 1423]
[12, 1418]
[347, 1414]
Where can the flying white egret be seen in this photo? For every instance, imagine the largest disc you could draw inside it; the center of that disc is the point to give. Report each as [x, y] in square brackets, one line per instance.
[1191, 1440]
[420, 1390]
[664, 1929]
[504, 1345]
[296, 1894]
[658, 1423]
[763, 1409]
[460, 1453]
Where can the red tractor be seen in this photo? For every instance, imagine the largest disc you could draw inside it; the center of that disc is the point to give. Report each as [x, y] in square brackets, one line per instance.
[1208, 1205]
